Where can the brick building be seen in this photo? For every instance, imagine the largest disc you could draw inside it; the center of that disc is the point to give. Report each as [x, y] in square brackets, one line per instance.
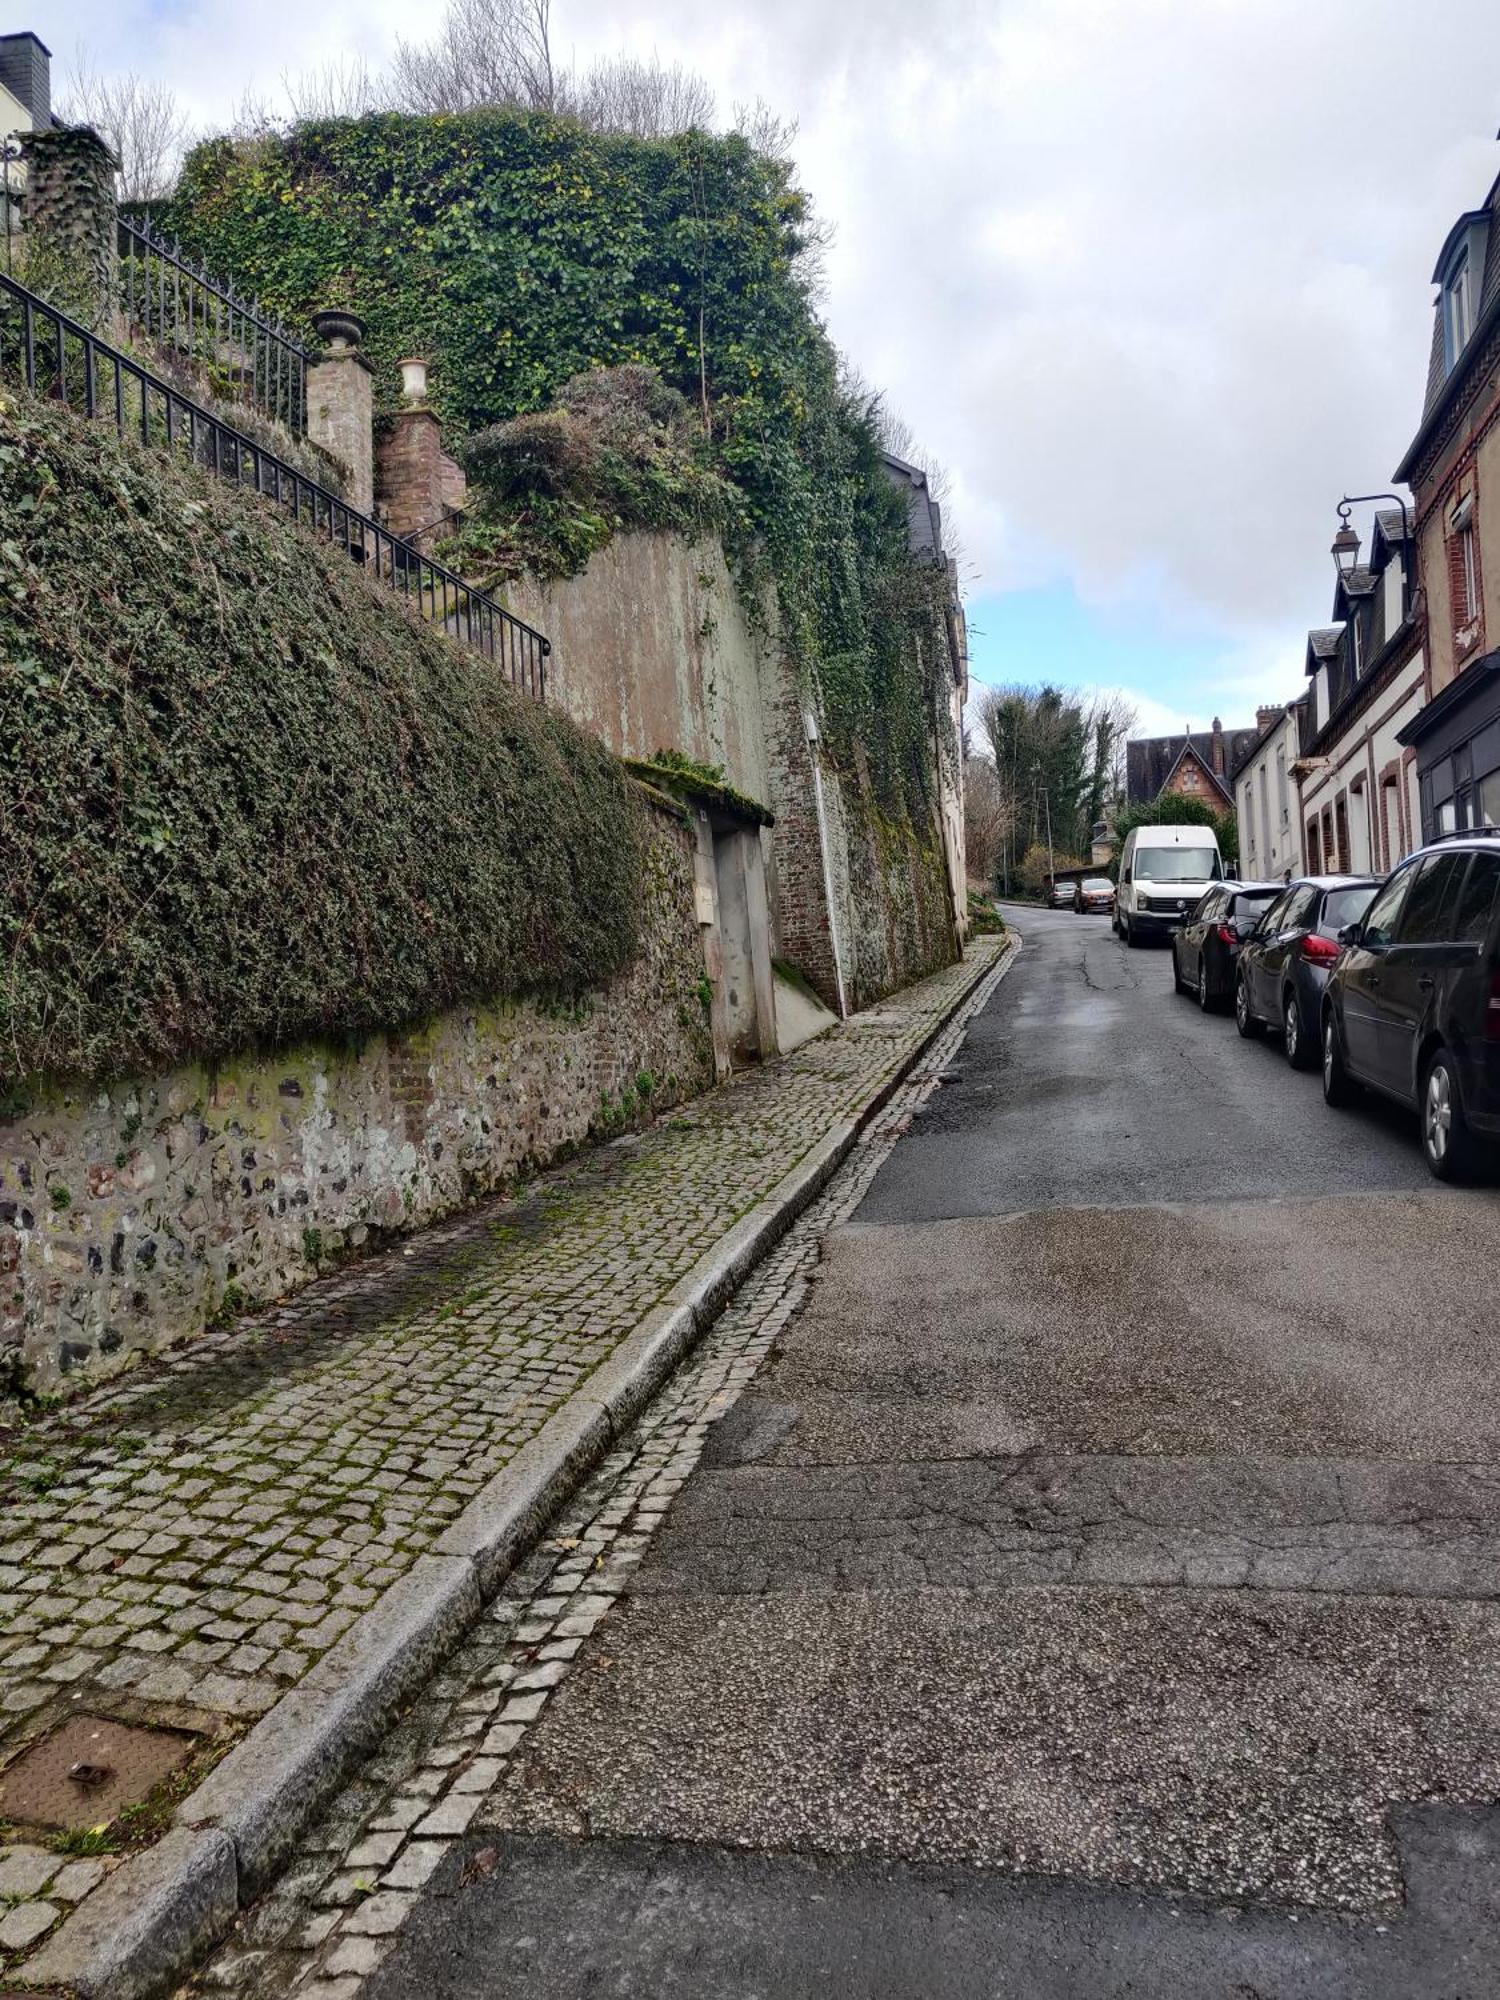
[1196, 765]
[1453, 469]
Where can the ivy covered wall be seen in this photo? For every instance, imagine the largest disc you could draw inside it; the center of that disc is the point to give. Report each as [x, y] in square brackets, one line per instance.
[520, 252]
[246, 799]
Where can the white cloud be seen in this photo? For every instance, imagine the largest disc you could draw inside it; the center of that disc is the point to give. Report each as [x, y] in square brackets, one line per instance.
[1149, 277]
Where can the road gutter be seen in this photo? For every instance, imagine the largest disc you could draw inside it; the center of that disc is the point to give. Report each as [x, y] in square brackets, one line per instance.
[142, 1930]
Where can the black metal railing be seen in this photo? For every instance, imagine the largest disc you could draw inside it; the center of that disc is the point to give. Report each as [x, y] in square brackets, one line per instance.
[57, 357]
[174, 302]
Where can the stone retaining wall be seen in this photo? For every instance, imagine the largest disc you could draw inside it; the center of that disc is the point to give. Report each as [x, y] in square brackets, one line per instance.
[130, 1217]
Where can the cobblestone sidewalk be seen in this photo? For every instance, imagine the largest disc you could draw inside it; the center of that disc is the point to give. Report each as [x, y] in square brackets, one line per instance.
[334, 1914]
[196, 1537]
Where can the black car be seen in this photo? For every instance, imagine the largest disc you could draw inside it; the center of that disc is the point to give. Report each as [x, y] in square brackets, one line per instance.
[1205, 949]
[1413, 1006]
[1285, 965]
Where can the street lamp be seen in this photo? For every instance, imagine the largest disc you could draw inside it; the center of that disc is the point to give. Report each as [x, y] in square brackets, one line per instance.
[1346, 542]
[1345, 545]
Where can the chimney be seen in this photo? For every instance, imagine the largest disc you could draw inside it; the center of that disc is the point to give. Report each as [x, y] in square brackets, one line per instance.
[26, 72]
[1218, 753]
[1264, 717]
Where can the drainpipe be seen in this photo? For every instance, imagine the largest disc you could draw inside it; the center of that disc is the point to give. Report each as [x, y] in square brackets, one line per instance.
[810, 724]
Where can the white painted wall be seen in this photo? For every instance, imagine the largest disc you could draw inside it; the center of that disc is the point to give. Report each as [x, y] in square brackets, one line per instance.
[1367, 747]
[1270, 828]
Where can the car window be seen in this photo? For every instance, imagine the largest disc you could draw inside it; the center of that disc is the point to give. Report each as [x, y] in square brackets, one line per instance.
[1477, 900]
[1271, 921]
[1433, 902]
[1298, 914]
[1344, 906]
[1250, 907]
[1380, 924]
[1209, 905]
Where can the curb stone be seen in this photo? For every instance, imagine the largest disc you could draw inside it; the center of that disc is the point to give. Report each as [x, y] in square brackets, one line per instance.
[155, 1915]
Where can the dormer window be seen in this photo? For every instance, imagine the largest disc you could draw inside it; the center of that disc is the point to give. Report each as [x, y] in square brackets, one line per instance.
[1458, 307]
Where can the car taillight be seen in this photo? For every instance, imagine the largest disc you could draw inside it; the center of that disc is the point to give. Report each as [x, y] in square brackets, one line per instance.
[1492, 1011]
[1227, 934]
[1321, 950]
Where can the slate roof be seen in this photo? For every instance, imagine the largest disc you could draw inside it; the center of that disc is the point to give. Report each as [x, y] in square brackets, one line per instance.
[1151, 760]
[924, 517]
[1439, 380]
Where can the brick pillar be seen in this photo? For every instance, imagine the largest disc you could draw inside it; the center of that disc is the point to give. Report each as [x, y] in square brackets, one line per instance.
[341, 404]
[419, 486]
[71, 216]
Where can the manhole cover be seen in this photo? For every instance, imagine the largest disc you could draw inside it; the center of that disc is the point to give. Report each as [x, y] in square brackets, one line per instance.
[88, 1771]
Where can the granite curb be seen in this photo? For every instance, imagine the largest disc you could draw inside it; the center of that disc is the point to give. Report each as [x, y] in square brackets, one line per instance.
[144, 1928]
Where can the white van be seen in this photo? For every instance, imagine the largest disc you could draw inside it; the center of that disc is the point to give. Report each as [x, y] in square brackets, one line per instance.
[1163, 872]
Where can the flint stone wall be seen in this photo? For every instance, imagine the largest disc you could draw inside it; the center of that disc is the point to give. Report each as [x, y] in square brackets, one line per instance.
[131, 1216]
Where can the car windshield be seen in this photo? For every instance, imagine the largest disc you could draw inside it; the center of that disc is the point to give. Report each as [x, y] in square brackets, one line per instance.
[1345, 906]
[1097, 886]
[1177, 864]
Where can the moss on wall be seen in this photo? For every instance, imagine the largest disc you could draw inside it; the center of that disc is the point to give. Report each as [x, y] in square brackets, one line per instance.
[246, 799]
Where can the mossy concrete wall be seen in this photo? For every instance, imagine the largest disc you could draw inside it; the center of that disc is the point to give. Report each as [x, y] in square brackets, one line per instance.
[653, 650]
[132, 1216]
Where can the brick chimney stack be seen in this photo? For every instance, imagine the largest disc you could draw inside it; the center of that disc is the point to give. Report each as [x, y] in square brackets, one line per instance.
[26, 72]
[1218, 751]
[1264, 717]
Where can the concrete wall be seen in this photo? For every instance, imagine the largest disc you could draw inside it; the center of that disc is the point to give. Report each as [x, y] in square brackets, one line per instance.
[129, 1215]
[653, 650]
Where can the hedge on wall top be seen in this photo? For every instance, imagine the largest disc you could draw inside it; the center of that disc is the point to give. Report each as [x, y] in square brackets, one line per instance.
[246, 799]
[520, 251]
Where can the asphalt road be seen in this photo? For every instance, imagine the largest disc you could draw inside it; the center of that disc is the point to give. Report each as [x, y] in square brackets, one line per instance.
[1097, 1592]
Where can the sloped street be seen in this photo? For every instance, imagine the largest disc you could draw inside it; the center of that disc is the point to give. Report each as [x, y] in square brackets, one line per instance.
[1071, 1569]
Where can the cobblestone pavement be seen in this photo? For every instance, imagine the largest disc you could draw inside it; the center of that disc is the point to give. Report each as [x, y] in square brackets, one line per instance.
[195, 1537]
[336, 1910]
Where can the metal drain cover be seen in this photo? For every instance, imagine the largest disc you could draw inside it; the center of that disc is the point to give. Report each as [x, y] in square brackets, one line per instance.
[89, 1770]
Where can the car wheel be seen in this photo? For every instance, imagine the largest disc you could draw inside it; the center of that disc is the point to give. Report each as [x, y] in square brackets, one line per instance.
[1177, 982]
[1244, 1019]
[1205, 998]
[1446, 1138]
[1338, 1086]
[1293, 1039]
[1130, 937]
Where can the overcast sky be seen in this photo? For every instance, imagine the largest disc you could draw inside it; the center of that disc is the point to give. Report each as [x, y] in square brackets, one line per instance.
[1150, 277]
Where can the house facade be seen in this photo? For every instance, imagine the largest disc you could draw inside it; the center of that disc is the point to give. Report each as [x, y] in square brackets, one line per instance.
[1367, 680]
[25, 106]
[1195, 765]
[1453, 469]
[1266, 800]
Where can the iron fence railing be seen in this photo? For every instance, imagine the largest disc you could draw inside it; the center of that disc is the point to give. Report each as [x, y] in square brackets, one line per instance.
[58, 357]
[174, 302]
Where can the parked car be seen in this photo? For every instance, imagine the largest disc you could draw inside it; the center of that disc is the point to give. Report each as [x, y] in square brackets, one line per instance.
[1164, 870]
[1412, 1008]
[1284, 967]
[1060, 896]
[1205, 950]
[1093, 893]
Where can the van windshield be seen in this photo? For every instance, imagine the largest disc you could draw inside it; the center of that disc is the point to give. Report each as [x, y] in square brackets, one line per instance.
[1177, 864]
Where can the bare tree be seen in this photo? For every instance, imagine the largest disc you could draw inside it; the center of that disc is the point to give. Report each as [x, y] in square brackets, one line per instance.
[336, 90]
[988, 819]
[142, 121]
[485, 52]
[647, 99]
[765, 130]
